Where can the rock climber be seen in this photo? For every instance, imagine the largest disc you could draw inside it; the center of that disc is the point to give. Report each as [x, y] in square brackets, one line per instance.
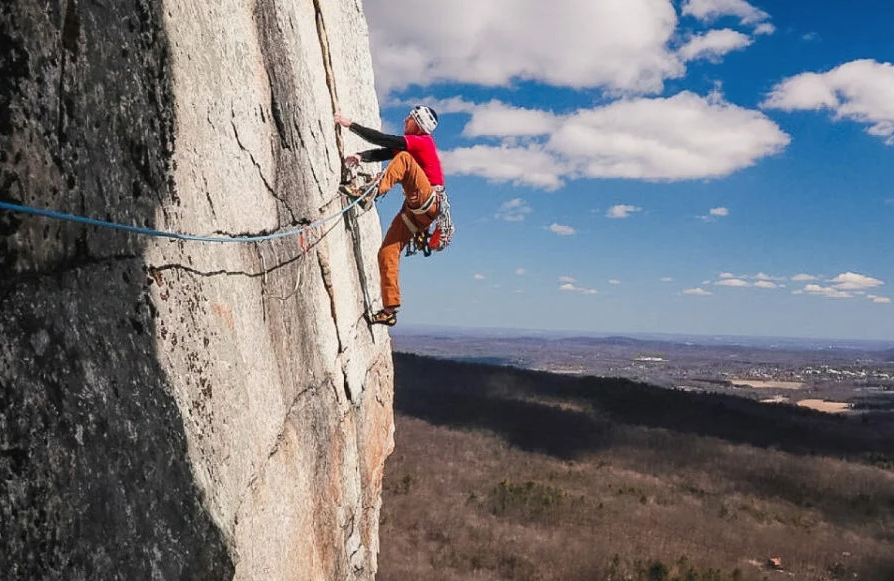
[416, 166]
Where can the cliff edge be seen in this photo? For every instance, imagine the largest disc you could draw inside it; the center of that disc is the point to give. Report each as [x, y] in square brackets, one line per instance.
[175, 409]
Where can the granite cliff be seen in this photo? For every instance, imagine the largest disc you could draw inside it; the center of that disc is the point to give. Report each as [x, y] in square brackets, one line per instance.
[173, 409]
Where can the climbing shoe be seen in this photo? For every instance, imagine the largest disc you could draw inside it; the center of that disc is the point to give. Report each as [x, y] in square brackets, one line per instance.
[362, 186]
[354, 193]
[382, 318]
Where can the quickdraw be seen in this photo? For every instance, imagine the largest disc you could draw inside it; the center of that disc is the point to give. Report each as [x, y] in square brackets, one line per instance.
[419, 243]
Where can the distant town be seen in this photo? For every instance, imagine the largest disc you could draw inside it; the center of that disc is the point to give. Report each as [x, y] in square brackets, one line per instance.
[847, 378]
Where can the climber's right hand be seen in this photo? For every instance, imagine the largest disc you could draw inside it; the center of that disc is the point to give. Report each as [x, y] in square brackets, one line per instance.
[353, 160]
[342, 120]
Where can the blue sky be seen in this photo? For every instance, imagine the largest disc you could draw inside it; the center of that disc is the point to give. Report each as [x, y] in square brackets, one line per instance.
[620, 166]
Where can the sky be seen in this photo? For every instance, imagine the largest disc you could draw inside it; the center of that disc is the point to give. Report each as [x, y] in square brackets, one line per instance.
[710, 167]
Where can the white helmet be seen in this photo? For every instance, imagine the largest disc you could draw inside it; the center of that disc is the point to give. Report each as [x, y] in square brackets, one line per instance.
[425, 118]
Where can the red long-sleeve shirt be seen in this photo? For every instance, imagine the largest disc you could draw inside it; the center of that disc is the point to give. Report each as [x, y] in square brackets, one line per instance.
[421, 147]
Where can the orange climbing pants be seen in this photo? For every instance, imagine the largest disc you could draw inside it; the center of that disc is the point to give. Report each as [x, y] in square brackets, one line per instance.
[403, 169]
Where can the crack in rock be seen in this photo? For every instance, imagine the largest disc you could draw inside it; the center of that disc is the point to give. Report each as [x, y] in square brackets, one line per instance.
[223, 272]
[277, 443]
[326, 274]
[330, 83]
[251, 156]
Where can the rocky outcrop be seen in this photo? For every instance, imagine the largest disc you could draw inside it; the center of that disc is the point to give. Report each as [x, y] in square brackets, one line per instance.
[173, 409]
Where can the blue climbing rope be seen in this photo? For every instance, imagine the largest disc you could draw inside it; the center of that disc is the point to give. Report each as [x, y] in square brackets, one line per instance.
[162, 234]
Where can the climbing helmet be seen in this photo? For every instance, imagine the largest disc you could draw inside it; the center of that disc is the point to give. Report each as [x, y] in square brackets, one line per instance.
[425, 118]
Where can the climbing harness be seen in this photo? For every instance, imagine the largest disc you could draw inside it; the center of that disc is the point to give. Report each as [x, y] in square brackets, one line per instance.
[300, 232]
[433, 239]
[438, 236]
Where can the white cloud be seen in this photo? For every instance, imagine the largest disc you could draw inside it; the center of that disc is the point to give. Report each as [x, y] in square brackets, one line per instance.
[614, 281]
[715, 213]
[615, 44]
[707, 10]
[569, 284]
[451, 105]
[697, 292]
[515, 210]
[562, 230]
[685, 136]
[804, 278]
[520, 165]
[479, 277]
[853, 281]
[681, 137]
[879, 300]
[667, 279]
[860, 91]
[621, 211]
[498, 119]
[570, 287]
[520, 271]
[734, 282]
[713, 45]
[827, 291]
[847, 285]
[764, 28]
[763, 280]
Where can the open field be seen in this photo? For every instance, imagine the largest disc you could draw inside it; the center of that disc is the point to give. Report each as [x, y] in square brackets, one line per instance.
[830, 407]
[820, 405]
[501, 473]
[861, 374]
[767, 384]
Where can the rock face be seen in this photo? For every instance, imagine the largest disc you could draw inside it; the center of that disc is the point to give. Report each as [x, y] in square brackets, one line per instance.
[175, 409]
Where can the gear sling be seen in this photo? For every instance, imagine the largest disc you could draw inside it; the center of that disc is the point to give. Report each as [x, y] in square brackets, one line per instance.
[437, 237]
